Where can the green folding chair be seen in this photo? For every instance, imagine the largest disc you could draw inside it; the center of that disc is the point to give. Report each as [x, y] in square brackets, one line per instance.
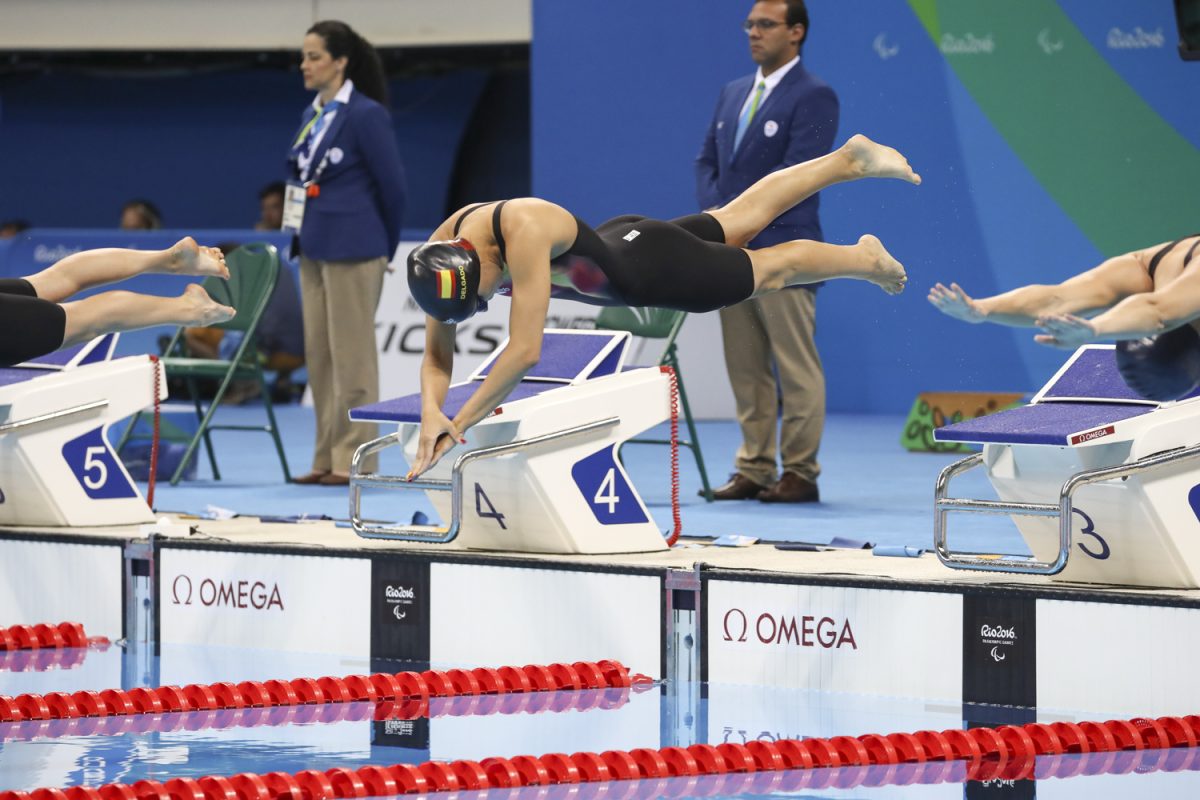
[253, 271]
[663, 324]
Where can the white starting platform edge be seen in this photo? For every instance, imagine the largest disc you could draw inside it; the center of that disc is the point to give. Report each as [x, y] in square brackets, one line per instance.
[56, 465]
[1103, 485]
[541, 473]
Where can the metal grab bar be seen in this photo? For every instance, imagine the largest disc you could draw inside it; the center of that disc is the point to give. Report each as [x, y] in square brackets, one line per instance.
[9, 427]
[1004, 562]
[432, 533]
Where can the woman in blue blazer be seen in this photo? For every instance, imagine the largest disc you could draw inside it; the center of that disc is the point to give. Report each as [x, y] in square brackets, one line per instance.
[346, 199]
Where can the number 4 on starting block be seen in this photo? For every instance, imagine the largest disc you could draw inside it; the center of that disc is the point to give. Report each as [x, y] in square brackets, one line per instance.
[603, 483]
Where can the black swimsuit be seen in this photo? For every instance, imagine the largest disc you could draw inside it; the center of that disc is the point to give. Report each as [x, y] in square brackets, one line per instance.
[29, 326]
[1166, 248]
[682, 264]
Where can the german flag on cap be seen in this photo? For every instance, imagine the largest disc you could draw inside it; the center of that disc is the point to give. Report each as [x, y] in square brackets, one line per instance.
[445, 284]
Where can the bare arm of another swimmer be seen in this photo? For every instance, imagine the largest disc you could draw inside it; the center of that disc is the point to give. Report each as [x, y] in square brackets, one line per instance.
[1091, 291]
[1145, 314]
[529, 263]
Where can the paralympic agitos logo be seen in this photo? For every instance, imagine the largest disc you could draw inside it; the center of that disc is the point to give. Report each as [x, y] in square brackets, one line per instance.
[789, 629]
[249, 594]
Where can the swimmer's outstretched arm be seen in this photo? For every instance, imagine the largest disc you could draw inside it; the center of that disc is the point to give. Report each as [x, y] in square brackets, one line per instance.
[1145, 314]
[1084, 294]
[526, 321]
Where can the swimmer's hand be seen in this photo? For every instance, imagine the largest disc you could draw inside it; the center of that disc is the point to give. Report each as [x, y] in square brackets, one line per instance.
[954, 302]
[438, 436]
[1065, 330]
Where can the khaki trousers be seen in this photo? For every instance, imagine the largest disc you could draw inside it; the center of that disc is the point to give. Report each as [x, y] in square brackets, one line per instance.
[339, 299]
[764, 336]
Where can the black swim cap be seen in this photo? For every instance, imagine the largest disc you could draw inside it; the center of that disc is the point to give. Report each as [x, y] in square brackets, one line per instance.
[1163, 367]
[443, 278]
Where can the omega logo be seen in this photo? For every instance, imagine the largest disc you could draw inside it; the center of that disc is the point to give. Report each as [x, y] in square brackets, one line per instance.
[231, 594]
[780, 629]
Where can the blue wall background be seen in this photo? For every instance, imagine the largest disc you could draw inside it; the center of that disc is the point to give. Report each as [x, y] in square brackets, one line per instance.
[623, 92]
[75, 148]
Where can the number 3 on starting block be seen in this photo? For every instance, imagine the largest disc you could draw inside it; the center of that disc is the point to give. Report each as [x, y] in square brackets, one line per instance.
[604, 486]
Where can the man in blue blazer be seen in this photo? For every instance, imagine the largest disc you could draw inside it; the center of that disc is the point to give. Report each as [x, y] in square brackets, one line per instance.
[778, 117]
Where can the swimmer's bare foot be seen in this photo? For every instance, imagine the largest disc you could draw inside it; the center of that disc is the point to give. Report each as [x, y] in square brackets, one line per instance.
[201, 310]
[884, 271]
[870, 159]
[185, 257]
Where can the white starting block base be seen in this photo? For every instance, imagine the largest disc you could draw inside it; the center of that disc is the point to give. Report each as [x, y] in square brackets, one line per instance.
[541, 474]
[56, 465]
[1123, 470]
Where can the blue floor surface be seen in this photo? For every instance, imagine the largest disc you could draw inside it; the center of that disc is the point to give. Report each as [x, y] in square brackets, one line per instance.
[871, 488]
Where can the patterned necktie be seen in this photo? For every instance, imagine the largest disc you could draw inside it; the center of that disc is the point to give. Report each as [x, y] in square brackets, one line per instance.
[748, 115]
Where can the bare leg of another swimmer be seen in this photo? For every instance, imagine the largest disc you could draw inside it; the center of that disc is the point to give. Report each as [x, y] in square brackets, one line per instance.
[90, 268]
[749, 213]
[111, 312]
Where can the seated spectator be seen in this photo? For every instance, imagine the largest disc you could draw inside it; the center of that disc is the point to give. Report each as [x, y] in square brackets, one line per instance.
[11, 227]
[140, 215]
[270, 207]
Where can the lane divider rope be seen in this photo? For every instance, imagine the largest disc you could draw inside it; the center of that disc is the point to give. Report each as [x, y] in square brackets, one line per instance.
[309, 691]
[1008, 753]
[44, 635]
[410, 708]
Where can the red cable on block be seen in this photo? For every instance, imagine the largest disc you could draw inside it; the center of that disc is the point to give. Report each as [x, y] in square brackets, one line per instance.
[33, 637]
[674, 537]
[1005, 753]
[307, 691]
[152, 480]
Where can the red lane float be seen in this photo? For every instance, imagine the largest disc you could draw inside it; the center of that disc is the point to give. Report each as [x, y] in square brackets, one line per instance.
[33, 637]
[313, 692]
[1009, 752]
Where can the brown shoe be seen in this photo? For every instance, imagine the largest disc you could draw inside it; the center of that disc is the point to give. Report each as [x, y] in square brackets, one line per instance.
[311, 478]
[335, 479]
[739, 488]
[791, 489]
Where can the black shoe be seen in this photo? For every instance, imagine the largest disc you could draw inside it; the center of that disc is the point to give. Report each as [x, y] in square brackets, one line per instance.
[739, 487]
[791, 489]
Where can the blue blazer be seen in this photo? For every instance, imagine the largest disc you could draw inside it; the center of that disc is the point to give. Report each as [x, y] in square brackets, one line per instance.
[796, 123]
[358, 212]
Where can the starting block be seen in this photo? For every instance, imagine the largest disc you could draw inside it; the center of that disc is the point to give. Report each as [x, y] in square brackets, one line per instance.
[1103, 485]
[541, 473]
[56, 465]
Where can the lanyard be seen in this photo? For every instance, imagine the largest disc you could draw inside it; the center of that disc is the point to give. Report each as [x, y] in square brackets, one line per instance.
[312, 122]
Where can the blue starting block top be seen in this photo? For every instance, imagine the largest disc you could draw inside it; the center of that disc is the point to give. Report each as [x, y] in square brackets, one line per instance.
[1092, 375]
[12, 375]
[570, 356]
[1087, 394]
[1041, 423]
[97, 350]
[408, 408]
[566, 357]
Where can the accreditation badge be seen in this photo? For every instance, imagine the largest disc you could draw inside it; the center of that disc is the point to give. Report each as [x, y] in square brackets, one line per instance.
[294, 196]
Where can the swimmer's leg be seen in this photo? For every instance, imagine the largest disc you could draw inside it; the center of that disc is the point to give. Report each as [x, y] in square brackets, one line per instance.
[90, 268]
[111, 312]
[806, 261]
[749, 213]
